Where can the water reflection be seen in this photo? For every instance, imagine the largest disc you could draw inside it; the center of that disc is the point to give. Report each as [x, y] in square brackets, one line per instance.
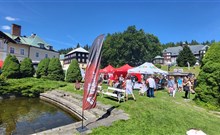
[30, 115]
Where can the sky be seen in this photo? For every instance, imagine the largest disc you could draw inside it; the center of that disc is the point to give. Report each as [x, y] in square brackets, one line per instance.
[64, 23]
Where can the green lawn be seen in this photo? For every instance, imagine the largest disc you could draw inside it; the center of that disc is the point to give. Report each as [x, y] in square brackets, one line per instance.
[194, 70]
[162, 115]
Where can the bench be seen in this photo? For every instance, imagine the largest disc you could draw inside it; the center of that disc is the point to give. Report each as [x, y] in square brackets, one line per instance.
[110, 90]
[99, 89]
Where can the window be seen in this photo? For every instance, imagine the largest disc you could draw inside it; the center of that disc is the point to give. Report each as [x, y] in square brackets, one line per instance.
[22, 51]
[46, 55]
[78, 60]
[83, 55]
[12, 50]
[37, 54]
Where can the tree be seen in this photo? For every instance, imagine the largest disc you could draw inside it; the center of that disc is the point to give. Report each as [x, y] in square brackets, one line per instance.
[194, 42]
[6, 63]
[208, 89]
[185, 56]
[73, 72]
[65, 51]
[11, 67]
[42, 69]
[133, 47]
[86, 47]
[26, 68]
[55, 71]
[78, 45]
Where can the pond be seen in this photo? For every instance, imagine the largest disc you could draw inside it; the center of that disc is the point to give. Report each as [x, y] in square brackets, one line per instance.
[30, 115]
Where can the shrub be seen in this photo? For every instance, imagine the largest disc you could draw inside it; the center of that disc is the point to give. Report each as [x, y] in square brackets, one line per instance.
[158, 65]
[208, 90]
[27, 68]
[2, 80]
[30, 87]
[55, 71]
[11, 67]
[73, 72]
[42, 69]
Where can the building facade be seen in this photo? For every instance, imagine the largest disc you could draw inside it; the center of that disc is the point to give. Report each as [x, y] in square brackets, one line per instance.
[170, 54]
[80, 54]
[32, 47]
[158, 60]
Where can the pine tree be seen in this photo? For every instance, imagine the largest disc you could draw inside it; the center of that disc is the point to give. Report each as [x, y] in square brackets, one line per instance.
[6, 63]
[11, 67]
[185, 56]
[42, 69]
[78, 45]
[73, 72]
[27, 68]
[55, 71]
[208, 89]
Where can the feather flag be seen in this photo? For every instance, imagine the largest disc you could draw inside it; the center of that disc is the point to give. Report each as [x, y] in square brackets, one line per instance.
[92, 74]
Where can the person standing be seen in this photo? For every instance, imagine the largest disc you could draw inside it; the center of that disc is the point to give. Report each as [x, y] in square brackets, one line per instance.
[152, 86]
[187, 86]
[180, 84]
[171, 85]
[128, 88]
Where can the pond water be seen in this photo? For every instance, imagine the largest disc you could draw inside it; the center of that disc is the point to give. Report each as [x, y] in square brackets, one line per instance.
[30, 115]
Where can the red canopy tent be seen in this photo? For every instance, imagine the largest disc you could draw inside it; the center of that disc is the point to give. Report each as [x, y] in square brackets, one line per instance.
[1, 64]
[122, 70]
[108, 69]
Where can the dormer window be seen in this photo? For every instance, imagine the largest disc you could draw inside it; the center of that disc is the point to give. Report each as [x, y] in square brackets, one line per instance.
[18, 39]
[50, 48]
[41, 45]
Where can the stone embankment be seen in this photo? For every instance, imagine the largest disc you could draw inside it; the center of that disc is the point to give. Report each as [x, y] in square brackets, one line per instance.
[102, 115]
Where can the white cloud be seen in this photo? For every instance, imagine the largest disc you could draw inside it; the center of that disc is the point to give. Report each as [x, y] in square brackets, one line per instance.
[8, 18]
[6, 27]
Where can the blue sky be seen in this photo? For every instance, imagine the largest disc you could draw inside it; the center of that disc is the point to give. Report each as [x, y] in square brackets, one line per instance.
[64, 23]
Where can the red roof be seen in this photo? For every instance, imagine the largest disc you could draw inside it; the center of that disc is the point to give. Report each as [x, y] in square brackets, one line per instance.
[1, 64]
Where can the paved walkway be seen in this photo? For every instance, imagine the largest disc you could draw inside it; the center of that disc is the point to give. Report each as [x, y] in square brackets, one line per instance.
[102, 115]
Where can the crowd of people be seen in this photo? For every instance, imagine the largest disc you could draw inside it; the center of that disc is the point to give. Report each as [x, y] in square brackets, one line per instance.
[180, 84]
[150, 83]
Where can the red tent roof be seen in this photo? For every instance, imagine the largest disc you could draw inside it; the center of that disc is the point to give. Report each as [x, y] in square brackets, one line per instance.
[108, 69]
[123, 68]
[1, 64]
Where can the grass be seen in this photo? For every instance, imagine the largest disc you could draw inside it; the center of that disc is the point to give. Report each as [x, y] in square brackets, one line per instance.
[194, 70]
[162, 115]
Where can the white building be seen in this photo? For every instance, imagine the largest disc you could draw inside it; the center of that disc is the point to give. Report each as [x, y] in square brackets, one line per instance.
[32, 46]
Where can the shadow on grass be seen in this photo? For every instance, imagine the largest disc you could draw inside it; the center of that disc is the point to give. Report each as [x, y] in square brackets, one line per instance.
[108, 113]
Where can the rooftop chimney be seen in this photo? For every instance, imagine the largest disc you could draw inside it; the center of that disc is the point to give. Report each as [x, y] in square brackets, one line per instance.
[16, 30]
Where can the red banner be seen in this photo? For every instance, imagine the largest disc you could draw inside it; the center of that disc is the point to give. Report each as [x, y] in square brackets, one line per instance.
[92, 74]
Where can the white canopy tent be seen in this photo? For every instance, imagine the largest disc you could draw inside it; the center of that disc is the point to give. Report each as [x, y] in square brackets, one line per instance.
[147, 68]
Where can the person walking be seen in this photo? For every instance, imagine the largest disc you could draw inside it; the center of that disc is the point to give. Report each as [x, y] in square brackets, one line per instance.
[128, 88]
[152, 86]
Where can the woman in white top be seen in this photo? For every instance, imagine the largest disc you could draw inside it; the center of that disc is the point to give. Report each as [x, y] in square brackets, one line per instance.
[143, 88]
[128, 87]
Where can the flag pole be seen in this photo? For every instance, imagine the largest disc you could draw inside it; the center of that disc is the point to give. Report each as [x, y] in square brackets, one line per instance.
[82, 117]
